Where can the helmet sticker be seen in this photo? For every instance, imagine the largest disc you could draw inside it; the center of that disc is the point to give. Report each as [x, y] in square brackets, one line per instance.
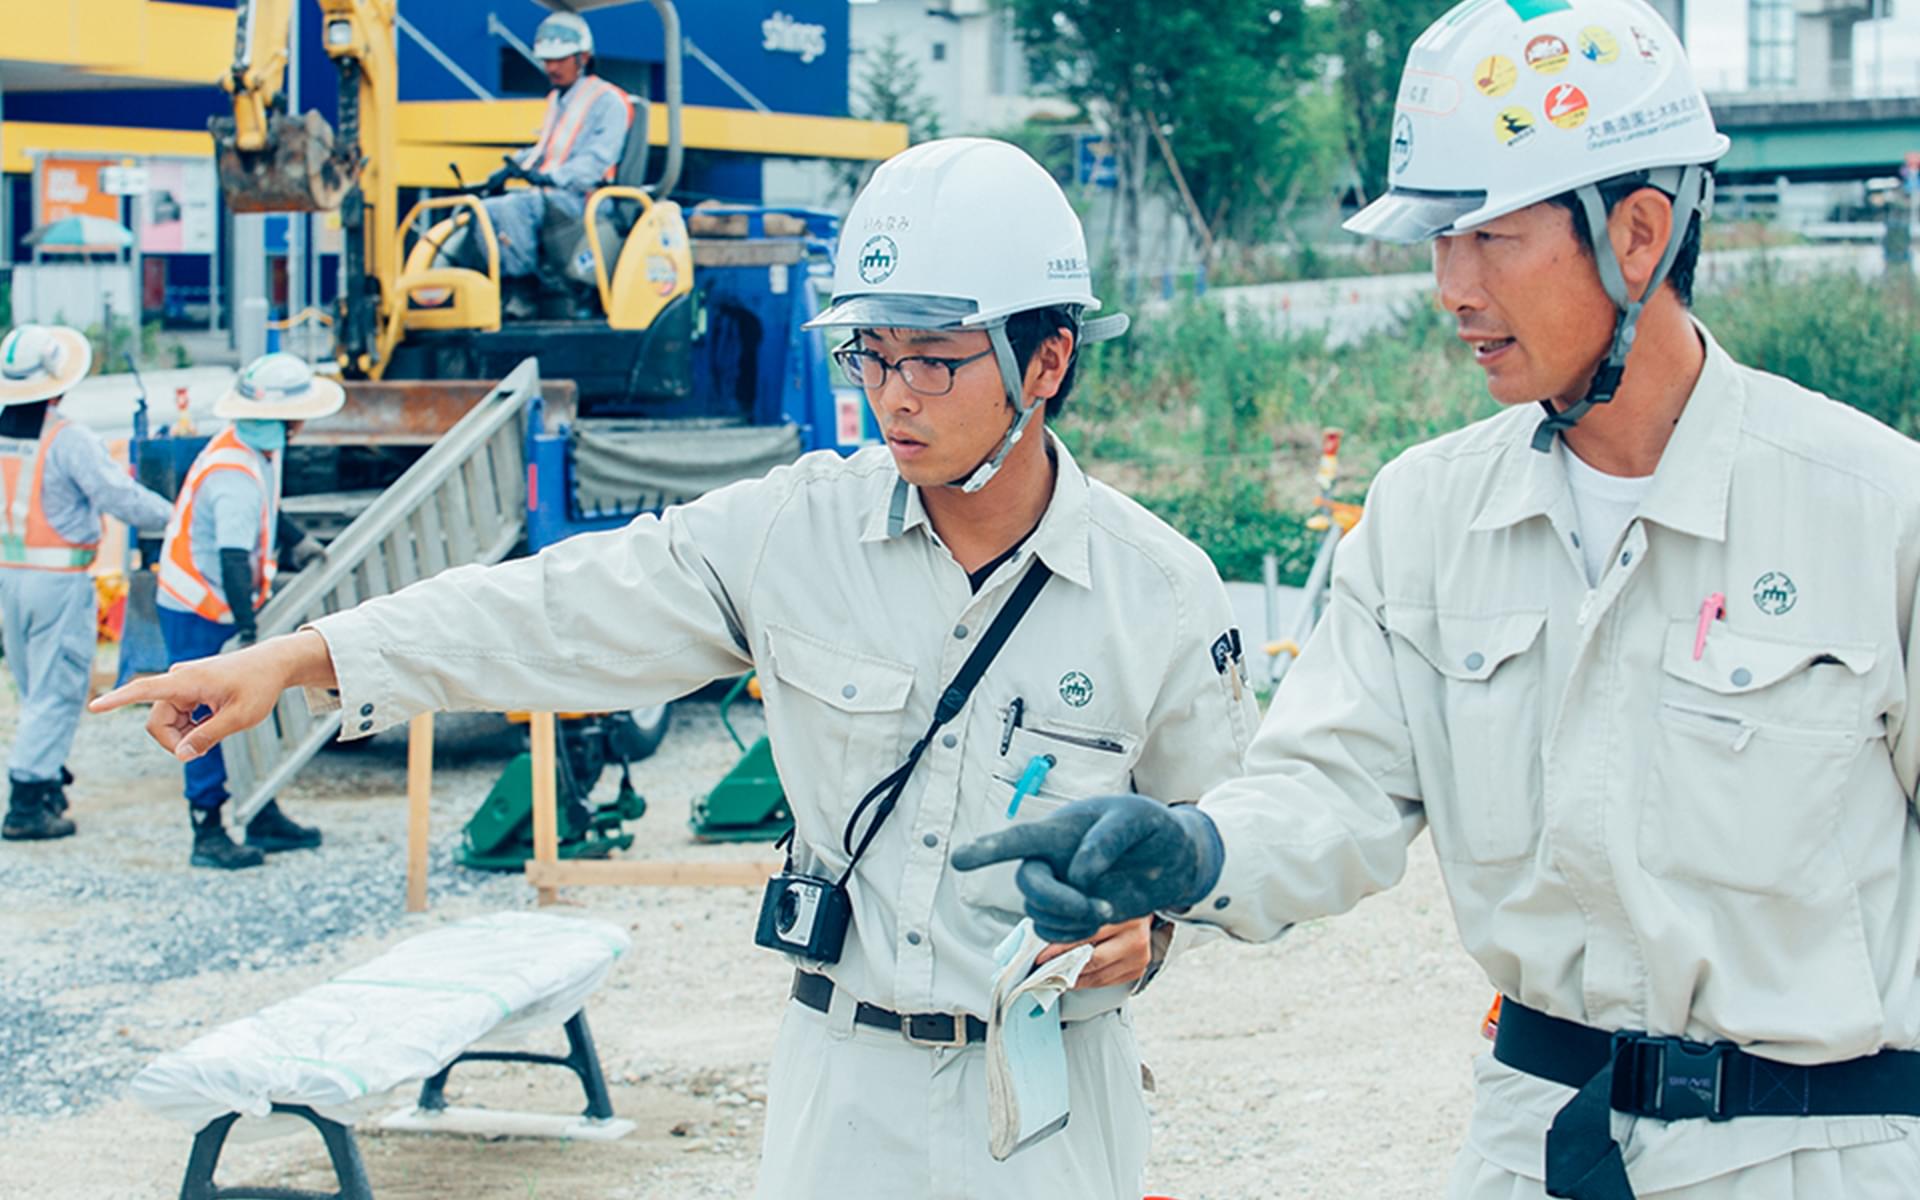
[1527, 10]
[1496, 75]
[1645, 122]
[878, 258]
[1566, 106]
[1402, 150]
[1426, 92]
[1513, 125]
[1598, 46]
[1646, 44]
[1547, 54]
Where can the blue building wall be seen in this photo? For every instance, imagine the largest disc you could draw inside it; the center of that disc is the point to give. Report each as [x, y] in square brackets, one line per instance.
[732, 32]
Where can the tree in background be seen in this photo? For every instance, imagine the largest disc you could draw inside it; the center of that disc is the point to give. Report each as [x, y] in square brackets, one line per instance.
[889, 90]
[1211, 99]
[1370, 39]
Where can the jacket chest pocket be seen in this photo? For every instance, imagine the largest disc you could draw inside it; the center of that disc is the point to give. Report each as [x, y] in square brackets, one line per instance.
[1753, 744]
[1475, 716]
[845, 709]
[1083, 763]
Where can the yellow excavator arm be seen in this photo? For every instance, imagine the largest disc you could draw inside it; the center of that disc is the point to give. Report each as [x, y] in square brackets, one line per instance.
[259, 67]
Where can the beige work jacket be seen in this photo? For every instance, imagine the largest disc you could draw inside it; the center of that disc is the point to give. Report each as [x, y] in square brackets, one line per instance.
[829, 580]
[1638, 830]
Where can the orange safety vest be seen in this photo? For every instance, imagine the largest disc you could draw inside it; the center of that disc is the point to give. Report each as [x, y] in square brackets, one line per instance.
[179, 577]
[561, 128]
[28, 542]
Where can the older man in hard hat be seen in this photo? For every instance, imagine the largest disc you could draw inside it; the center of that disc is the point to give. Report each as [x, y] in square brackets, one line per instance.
[1643, 659]
[58, 479]
[217, 567]
[579, 146]
[956, 631]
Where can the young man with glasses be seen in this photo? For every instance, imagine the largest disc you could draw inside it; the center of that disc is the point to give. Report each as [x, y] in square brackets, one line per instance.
[860, 589]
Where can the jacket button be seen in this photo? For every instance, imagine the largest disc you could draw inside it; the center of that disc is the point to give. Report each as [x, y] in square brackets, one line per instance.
[913, 939]
[1222, 902]
[365, 725]
[1576, 539]
[931, 840]
[960, 631]
[849, 691]
[949, 741]
[1476, 660]
[366, 710]
[1742, 677]
[1626, 556]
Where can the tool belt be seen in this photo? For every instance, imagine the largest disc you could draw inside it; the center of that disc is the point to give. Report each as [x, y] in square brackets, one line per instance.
[1672, 1079]
[939, 1030]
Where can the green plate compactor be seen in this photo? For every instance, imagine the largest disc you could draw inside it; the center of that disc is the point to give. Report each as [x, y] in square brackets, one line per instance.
[749, 804]
[499, 837]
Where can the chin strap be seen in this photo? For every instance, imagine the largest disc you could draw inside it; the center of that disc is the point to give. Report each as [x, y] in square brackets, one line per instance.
[1010, 380]
[1692, 193]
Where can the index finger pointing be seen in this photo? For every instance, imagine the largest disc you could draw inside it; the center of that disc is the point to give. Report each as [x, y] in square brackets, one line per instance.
[1033, 839]
[136, 692]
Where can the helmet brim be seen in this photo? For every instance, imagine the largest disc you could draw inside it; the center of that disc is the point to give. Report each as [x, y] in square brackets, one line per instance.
[1408, 216]
[895, 312]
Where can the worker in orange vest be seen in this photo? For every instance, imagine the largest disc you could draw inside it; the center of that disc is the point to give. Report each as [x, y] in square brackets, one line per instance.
[58, 478]
[217, 567]
[580, 142]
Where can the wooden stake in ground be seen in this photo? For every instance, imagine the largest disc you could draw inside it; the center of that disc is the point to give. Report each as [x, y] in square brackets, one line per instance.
[419, 800]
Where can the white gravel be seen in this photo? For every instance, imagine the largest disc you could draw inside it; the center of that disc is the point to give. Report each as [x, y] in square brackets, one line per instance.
[1333, 1063]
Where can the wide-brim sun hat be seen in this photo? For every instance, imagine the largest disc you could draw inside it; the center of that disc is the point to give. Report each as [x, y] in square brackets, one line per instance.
[280, 387]
[40, 362]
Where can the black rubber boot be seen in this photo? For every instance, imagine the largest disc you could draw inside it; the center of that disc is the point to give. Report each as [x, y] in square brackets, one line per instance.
[213, 848]
[272, 831]
[31, 815]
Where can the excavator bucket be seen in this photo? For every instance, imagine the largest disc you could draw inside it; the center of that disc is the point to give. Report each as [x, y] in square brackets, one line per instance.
[299, 169]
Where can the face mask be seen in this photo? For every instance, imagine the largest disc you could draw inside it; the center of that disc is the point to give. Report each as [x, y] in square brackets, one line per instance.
[264, 436]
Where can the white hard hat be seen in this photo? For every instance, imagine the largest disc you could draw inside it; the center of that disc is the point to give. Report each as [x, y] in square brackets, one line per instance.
[1505, 103]
[962, 233]
[39, 362]
[562, 34]
[280, 387]
[959, 233]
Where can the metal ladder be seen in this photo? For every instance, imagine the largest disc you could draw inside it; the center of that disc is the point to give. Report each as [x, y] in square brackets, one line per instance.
[464, 501]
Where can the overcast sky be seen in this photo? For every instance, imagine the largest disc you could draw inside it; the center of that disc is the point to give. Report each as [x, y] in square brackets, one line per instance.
[1716, 38]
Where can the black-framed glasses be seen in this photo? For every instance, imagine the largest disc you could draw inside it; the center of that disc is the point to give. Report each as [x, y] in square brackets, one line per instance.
[922, 373]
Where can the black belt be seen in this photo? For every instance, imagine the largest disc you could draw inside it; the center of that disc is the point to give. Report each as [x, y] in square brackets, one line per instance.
[1671, 1079]
[922, 1029]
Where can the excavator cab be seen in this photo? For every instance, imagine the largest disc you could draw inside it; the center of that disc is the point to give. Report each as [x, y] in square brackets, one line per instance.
[624, 263]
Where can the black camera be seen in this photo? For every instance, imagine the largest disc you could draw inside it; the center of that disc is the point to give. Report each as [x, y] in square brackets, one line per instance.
[804, 915]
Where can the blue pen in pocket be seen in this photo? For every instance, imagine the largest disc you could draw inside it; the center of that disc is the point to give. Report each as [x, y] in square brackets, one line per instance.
[1030, 779]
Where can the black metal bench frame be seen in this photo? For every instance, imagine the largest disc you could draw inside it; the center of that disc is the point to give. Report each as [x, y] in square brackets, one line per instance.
[349, 1170]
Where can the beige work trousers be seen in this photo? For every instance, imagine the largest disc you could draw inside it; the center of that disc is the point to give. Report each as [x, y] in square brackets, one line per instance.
[857, 1113]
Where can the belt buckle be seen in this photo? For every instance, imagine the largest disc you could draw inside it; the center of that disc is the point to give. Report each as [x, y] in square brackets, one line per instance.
[956, 1038]
[1670, 1078]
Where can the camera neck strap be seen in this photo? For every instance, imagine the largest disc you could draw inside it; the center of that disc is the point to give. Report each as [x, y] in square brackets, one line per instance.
[885, 795]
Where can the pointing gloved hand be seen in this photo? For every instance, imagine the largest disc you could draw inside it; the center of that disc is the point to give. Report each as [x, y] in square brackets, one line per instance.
[1104, 859]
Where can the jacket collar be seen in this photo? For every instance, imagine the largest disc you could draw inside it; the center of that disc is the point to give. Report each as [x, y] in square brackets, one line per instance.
[1690, 486]
[1061, 540]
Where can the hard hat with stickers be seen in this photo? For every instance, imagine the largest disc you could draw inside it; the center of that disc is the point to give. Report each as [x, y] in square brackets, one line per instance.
[1505, 103]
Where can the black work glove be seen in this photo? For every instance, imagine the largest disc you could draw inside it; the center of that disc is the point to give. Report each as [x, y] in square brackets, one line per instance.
[1104, 859]
[236, 582]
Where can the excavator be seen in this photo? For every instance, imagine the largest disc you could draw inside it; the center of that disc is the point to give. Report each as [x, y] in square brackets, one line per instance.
[434, 310]
[672, 364]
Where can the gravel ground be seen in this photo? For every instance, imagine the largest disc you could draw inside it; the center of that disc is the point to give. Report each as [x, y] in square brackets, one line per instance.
[1332, 1063]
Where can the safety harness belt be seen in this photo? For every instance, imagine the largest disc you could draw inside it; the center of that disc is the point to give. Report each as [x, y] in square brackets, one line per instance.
[1671, 1079]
